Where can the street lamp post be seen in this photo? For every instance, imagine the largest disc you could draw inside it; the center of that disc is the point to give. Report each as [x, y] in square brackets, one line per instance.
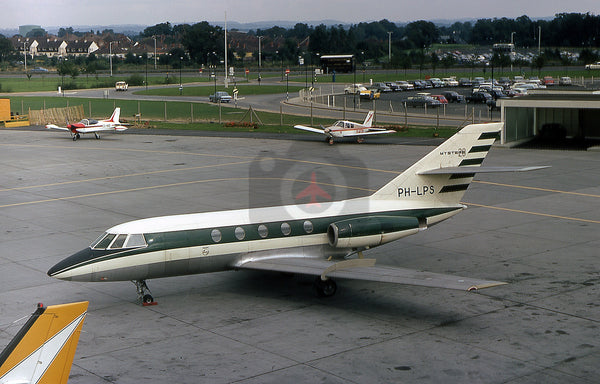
[110, 57]
[180, 83]
[25, 54]
[390, 47]
[259, 56]
[154, 37]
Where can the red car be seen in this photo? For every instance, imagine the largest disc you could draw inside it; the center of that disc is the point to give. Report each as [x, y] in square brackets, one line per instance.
[440, 98]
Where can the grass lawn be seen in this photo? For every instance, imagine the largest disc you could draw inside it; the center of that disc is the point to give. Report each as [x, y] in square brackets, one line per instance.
[205, 116]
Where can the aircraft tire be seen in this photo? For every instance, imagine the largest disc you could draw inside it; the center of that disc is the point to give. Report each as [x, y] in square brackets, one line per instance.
[330, 141]
[148, 299]
[325, 288]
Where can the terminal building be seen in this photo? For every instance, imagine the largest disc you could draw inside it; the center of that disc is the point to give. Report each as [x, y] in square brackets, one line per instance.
[551, 115]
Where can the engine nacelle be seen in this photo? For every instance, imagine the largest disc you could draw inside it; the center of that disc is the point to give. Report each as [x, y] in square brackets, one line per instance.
[370, 231]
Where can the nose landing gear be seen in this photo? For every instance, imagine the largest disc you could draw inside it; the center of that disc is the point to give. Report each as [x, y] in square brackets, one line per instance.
[143, 297]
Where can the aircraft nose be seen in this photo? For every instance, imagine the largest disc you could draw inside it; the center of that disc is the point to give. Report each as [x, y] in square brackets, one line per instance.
[60, 269]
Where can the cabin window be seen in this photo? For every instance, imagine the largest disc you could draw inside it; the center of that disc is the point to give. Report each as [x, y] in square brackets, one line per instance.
[240, 233]
[102, 244]
[215, 235]
[135, 240]
[119, 241]
[286, 229]
[308, 226]
[263, 231]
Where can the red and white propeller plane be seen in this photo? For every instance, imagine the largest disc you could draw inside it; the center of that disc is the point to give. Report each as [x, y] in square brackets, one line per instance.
[345, 128]
[92, 126]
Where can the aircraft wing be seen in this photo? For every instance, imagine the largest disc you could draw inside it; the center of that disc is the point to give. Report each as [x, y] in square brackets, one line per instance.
[99, 129]
[52, 126]
[370, 132]
[310, 129]
[365, 269]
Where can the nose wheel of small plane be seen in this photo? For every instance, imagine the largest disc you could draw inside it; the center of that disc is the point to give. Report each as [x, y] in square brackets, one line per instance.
[143, 297]
[325, 288]
[330, 141]
[360, 140]
[76, 136]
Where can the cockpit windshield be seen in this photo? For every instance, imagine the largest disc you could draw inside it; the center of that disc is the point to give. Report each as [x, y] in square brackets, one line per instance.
[122, 241]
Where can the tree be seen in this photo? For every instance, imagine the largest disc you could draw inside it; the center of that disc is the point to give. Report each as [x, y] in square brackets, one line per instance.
[422, 33]
[201, 40]
[6, 47]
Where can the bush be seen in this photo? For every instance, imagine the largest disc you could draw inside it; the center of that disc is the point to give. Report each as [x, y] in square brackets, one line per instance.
[135, 80]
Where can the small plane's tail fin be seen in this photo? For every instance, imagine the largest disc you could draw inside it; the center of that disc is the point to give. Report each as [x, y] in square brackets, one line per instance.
[43, 350]
[369, 119]
[114, 118]
[443, 175]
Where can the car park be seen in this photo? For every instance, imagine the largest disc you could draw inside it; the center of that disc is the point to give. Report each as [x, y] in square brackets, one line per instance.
[220, 96]
[504, 82]
[453, 97]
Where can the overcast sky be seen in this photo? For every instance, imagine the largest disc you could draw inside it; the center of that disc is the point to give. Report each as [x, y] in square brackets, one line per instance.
[65, 13]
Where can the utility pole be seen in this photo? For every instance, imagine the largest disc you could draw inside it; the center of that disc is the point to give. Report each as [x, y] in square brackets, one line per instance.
[225, 49]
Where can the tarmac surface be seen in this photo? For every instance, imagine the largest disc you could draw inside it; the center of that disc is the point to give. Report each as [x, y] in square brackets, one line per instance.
[538, 231]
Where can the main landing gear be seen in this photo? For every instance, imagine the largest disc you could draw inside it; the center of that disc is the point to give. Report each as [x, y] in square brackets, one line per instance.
[97, 135]
[76, 136]
[145, 298]
[325, 288]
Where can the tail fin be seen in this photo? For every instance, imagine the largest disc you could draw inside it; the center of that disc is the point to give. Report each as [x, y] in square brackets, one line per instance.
[369, 119]
[114, 118]
[43, 350]
[443, 175]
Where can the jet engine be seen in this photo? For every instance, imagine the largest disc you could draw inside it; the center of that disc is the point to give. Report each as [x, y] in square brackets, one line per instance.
[370, 231]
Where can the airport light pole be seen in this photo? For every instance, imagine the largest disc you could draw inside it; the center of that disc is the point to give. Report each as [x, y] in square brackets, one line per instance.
[154, 37]
[259, 56]
[110, 56]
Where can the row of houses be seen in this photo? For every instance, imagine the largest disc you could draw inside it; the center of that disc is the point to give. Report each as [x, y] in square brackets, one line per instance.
[71, 45]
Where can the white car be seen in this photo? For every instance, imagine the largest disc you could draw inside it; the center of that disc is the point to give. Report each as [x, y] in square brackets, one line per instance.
[595, 65]
[565, 80]
[121, 86]
[353, 88]
[450, 82]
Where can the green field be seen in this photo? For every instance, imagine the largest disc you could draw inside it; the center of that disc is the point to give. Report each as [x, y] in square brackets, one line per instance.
[193, 116]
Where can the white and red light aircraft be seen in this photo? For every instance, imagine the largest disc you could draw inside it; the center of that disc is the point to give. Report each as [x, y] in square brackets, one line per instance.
[93, 126]
[345, 128]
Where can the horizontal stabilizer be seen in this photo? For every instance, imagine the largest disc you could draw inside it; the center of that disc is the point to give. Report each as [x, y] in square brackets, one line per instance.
[384, 274]
[471, 170]
[310, 129]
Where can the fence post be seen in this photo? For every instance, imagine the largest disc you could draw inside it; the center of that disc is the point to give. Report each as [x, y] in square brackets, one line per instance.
[165, 111]
[281, 114]
[192, 113]
[219, 111]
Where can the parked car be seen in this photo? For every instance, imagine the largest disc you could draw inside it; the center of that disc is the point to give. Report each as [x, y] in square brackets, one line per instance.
[421, 101]
[353, 88]
[465, 82]
[382, 87]
[393, 86]
[479, 97]
[405, 85]
[419, 84]
[440, 98]
[39, 70]
[595, 65]
[370, 94]
[504, 82]
[565, 80]
[548, 81]
[436, 82]
[450, 82]
[453, 97]
[220, 96]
